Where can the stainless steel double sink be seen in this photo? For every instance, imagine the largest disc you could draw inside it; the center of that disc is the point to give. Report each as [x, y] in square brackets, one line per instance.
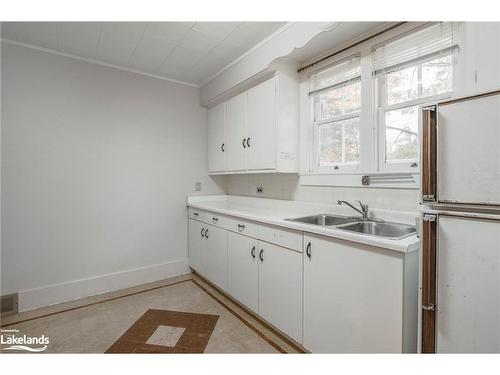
[394, 231]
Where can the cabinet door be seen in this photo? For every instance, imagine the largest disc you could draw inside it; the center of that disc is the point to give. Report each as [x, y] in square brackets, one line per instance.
[280, 288]
[261, 126]
[235, 147]
[216, 160]
[243, 280]
[468, 162]
[216, 256]
[468, 285]
[197, 243]
[487, 55]
[352, 297]
[478, 68]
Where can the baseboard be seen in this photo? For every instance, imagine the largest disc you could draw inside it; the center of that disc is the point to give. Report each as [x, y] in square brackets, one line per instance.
[75, 289]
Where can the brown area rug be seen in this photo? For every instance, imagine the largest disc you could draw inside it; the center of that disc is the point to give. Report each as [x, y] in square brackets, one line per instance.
[163, 331]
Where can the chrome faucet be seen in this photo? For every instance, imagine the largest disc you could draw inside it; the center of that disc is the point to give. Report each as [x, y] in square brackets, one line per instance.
[363, 211]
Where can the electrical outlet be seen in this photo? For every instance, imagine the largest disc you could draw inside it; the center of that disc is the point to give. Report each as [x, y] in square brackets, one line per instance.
[260, 190]
[197, 187]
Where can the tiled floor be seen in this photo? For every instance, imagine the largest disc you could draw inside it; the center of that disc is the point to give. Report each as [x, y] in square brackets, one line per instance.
[94, 328]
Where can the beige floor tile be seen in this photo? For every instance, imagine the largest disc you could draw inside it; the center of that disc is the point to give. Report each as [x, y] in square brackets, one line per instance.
[94, 328]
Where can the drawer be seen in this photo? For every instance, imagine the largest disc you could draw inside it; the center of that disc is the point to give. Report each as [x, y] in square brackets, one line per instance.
[242, 227]
[196, 214]
[284, 237]
[217, 220]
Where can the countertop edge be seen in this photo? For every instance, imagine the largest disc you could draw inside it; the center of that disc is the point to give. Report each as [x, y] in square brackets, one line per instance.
[405, 245]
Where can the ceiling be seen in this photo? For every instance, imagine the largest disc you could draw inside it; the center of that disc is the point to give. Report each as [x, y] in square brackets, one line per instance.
[191, 52]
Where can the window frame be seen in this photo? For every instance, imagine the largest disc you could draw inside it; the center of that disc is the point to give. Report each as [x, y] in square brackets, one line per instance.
[339, 168]
[369, 134]
[381, 108]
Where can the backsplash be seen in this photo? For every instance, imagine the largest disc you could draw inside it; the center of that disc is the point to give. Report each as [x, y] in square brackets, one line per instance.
[287, 186]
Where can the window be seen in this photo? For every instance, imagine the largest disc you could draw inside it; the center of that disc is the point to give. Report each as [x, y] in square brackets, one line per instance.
[410, 72]
[336, 103]
[364, 107]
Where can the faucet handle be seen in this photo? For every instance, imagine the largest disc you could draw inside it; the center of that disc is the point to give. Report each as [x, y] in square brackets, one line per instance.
[364, 207]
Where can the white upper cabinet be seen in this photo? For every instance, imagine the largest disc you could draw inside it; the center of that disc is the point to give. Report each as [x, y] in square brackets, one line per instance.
[216, 154]
[260, 130]
[236, 133]
[487, 55]
[261, 126]
[478, 70]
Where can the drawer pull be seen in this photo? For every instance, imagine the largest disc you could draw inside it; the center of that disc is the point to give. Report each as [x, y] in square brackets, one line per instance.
[241, 227]
[215, 219]
[195, 213]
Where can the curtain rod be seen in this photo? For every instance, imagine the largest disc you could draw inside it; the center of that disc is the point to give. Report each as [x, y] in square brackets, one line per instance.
[350, 46]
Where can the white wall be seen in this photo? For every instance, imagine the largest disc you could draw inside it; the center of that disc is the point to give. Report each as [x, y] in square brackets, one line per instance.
[96, 164]
[287, 186]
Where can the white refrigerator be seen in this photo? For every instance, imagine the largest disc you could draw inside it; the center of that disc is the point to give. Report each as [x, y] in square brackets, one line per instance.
[460, 234]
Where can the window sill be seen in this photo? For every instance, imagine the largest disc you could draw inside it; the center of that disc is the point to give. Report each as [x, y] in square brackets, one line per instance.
[386, 180]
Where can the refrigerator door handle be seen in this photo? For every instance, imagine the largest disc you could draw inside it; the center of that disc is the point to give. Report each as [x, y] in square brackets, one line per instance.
[429, 217]
[429, 244]
[431, 307]
[429, 153]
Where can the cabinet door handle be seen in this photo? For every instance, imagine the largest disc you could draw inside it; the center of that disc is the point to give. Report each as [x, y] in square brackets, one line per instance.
[206, 233]
[308, 250]
[248, 142]
[241, 227]
[252, 252]
[202, 232]
[222, 147]
[261, 255]
[243, 142]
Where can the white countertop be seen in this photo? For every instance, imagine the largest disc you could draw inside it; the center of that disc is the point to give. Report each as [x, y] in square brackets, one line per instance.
[274, 212]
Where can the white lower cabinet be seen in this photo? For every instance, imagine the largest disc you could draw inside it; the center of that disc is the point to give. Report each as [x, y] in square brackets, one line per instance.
[243, 272]
[332, 296]
[267, 279]
[197, 253]
[208, 252]
[264, 277]
[280, 288]
[353, 298]
[216, 256]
